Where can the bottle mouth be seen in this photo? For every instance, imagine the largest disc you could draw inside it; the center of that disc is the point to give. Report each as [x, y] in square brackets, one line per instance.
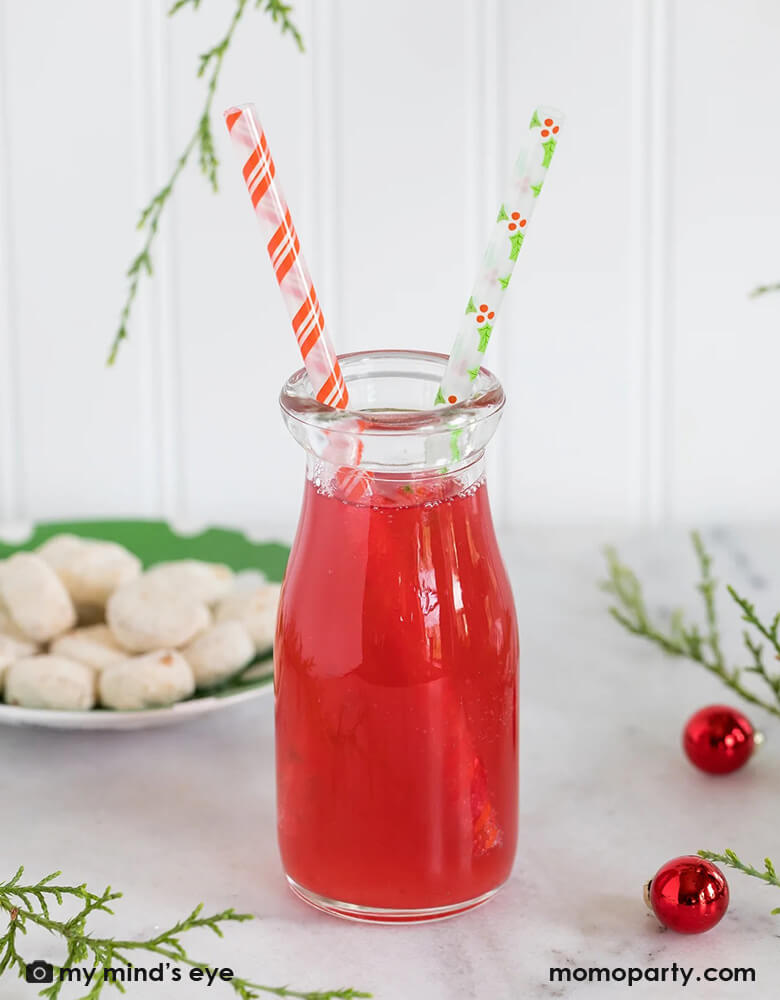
[392, 426]
[392, 392]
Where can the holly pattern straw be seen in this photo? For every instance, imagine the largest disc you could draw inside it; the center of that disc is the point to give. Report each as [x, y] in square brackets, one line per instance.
[284, 249]
[502, 252]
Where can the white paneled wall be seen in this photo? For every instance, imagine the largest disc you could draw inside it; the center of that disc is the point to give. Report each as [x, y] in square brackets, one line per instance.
[642, 380]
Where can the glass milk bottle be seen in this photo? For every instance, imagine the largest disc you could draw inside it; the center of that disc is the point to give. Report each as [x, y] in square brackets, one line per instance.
[396, 651]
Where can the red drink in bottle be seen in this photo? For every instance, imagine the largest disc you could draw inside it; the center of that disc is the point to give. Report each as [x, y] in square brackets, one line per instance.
[396, 698]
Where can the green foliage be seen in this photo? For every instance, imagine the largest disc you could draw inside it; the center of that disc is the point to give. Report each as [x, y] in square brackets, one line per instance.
[763, 289]
[280, 15]
[730, 859]
[31, 905]
[202, 139]
[700, 643]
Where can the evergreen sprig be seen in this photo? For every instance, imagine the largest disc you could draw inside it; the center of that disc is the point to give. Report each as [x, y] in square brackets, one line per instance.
[730, 859]
[202, 139]
[763, 289]
[30, 904]
[701, 644]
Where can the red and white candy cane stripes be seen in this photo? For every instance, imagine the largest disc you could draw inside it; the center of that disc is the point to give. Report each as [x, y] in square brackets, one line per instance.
[284, 249]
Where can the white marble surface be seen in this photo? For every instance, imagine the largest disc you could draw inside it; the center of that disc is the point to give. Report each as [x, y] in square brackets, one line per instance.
[177, 816]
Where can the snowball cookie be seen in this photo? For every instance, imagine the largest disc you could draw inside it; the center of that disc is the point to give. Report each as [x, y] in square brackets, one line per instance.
[146, 614]
[50, 682]
[12, 649]
[149, 681]
[94, 646]
[35, 598]
[203, 582]
[256, 608]
[9, 627]
[90, 569]
[219, 652]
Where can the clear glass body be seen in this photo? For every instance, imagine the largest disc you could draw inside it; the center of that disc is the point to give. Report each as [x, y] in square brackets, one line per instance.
[396, 652]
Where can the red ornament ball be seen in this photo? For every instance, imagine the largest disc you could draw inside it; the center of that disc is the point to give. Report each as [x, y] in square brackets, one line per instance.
[688, 894]
[719, 739]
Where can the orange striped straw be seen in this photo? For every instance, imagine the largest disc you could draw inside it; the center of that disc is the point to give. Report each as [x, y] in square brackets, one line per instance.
[284, 249]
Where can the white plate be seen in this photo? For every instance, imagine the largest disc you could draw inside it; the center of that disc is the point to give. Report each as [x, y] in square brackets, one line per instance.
[16, 715]
[155, 541]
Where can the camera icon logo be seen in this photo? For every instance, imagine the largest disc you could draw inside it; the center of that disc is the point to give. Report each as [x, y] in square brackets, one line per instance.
[39, 972]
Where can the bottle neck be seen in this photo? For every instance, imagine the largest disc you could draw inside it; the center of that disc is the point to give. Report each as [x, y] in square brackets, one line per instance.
[393, 486]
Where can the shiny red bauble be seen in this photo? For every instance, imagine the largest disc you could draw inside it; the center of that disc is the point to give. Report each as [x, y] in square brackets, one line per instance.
[719, 739]
[688, 894]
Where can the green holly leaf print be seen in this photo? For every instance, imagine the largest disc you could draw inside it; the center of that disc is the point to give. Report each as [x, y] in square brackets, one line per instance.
[471, 308]
[502, 216]
[484, 337]
[536, 188]
[516, 239]
[439, 401]
[473, 372]
[504, 281]
[535, 121]
[549, 149]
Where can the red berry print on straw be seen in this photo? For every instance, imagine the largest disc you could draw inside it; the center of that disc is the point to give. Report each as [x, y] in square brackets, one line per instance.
[484, 326]
[516, 227]
[485, 313]
[548, 132]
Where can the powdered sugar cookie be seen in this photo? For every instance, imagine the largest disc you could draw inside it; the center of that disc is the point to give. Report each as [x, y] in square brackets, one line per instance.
[9, 627]
[59, 548]
[150, 681]
[146, 614]
[218, 652]
[95, 646]
[201, 581]
[35, 598]
[256, 609]
[90, 569]
[50, 682]
[12, 650]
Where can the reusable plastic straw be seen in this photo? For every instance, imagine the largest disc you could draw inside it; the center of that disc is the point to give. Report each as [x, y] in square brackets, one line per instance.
[500, 258]
[284, 249]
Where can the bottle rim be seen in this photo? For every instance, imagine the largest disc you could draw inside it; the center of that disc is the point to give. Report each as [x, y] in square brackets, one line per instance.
[298, 403]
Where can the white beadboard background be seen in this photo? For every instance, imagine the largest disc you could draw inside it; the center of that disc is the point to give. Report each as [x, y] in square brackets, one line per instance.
[643, 383]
